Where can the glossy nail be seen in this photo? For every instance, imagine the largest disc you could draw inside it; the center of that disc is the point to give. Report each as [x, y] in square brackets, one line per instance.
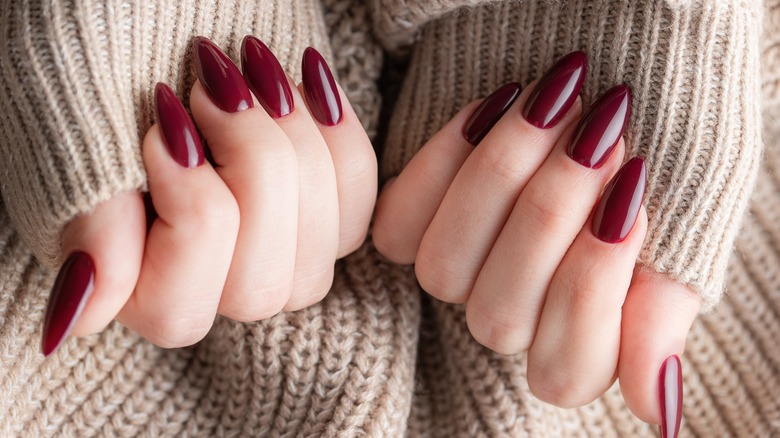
[619, 206]
[600, 129]
[670, 396]
[220, 77]
[266, 77]
[489, 112]
[320, 89]
[71, 291]
[557, 91]
[177, 128]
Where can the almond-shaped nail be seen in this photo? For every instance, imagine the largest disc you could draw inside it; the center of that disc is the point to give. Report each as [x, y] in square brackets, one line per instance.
[619, 207]
[670, 396]
[266, 77]
[556, 91]
[70, 293]
[178, 131]
[489, 112]
[220, 77]
[322, 95]
[600, 129]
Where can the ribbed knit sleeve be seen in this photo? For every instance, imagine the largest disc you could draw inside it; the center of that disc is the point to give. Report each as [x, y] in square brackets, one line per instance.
[694, 70]
[76, 80]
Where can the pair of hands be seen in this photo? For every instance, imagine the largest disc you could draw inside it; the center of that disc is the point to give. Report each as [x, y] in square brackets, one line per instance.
[505, 227]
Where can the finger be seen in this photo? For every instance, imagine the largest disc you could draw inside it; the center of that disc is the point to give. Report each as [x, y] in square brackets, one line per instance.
[488, 184]
[190, 244]
[406, 207]
[657, 315]
[318, 204]
[109, 242]
[258, 163]
[507, 298]
[353, 156]
[574, 355]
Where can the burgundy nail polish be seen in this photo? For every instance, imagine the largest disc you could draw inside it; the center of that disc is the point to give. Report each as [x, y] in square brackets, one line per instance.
[220, 77]
[266, 77]
[320, 88]
[177, 128]
[670, 396]
[71, 291]
[489, 112]
[619, 206]
[600, 129]
[557, 91]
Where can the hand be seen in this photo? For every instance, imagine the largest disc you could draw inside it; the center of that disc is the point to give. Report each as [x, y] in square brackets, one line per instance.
[518, 229]
[293, 189]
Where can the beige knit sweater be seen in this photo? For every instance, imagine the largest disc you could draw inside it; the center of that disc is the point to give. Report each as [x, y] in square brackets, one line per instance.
[378, 357]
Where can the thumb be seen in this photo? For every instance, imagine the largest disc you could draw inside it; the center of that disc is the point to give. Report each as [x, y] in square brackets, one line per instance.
[102, 252]
[657, 315]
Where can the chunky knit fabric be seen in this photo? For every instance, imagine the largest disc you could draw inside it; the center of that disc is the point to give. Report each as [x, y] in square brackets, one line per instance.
[378, 357]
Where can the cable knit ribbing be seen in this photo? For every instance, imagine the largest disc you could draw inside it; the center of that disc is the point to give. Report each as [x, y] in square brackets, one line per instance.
[696, 112]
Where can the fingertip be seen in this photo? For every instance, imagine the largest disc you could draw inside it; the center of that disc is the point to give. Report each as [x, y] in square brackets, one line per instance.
[112, 235]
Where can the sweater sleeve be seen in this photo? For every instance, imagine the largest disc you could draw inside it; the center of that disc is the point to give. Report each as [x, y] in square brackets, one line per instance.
[694, 70]
[76, 81]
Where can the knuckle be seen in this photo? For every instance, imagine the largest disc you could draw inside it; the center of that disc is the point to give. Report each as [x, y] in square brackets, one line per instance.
[311, 291]
[579, 293]
[508, 167]
[541, 211]
[390, 243]
[439, 278]
[502, 334]
[252, 304]
[558, 385]
[212, 212]
[177, 333]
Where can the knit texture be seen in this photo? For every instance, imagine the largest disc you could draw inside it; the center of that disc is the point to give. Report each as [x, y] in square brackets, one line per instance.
[695, 116]
[376, 357]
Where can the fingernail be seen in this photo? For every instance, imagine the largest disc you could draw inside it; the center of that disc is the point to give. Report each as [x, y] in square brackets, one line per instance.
[489, 112]
[71, 291]
[177, 128]
[220, 77]
[600, 129]
[619, 206]
[670, 396]
[320, 88]
[266, 77]
[557, 91]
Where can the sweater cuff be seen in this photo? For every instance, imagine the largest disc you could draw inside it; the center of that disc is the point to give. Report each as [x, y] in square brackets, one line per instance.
[76, 81]
[694, 70]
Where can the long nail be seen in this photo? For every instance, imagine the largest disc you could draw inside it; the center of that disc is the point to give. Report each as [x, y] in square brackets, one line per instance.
[600, 129]
[177, 128]
[489, 112]
[220, 77]
[557, 91]
[320, 88]
[670, 396]
[71, 291]
[619, 206]
[266, 77]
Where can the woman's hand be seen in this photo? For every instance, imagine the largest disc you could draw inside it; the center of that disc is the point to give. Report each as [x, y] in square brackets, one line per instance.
[293, 189]
[505, 209]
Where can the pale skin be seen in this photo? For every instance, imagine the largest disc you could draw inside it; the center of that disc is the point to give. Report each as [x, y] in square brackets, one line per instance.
[260, 233]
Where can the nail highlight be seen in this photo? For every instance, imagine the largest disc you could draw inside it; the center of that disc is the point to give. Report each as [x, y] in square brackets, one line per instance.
[619, 207]
[600, 129]
[220, 77]
[489, 112]
[557, 91]
[670, 396]
[266, 77]
[320, 89]
[71, 291]
[177, 128]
